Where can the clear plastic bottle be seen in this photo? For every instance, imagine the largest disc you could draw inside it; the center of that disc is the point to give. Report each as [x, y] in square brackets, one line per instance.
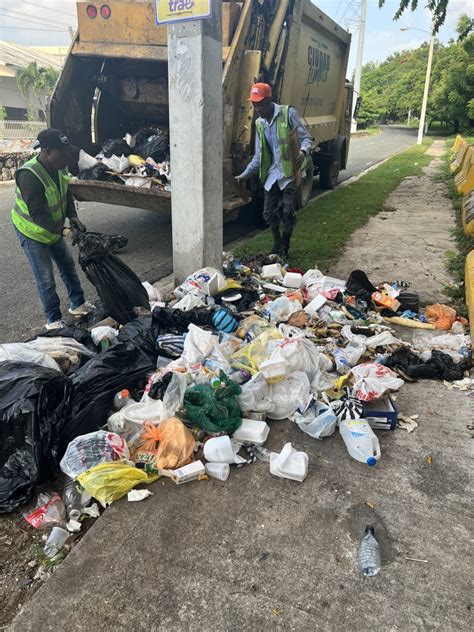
[369, 554]
[73, 500]
[121, 399]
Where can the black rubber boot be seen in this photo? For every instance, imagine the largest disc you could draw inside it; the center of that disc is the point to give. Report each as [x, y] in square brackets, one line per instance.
[285, 245]
[276, 240]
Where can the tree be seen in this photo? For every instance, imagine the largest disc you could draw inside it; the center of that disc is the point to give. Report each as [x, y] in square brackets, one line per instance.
[464, 26]
[39, 80]
[3, 113]
[437, 7]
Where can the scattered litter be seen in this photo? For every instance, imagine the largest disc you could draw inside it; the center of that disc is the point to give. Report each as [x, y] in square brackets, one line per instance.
[135, 495]
[408, 422]
[414, 559]
[429, 459]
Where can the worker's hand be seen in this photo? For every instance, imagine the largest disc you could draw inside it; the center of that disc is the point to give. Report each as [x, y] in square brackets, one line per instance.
[300, 159]
[76, 223]
[68, 234]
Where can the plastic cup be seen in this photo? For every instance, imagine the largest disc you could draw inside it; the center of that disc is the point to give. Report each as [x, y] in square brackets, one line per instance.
[220, 471]
[219, 450]
[55, 542]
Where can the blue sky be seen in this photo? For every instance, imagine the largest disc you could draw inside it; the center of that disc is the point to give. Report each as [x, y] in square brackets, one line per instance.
[46, 22]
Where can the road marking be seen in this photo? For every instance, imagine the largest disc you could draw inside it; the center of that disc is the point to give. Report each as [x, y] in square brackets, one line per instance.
[369, 163]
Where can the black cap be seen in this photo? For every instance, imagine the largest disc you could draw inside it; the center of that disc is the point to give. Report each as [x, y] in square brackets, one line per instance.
[52, 139]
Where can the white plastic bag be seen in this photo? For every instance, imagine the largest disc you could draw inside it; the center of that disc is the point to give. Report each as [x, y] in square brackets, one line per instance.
[318, 420]
[311, 276]
[301, 355]
[198, 344]
[119, 164]
[279, 310]
[103, 332]
[373, 380]
[288, 395]
[89, 450]
[255, 395]
[20, 352]
[208, 281]
[86, 161]
[190, 301]
[154, 295]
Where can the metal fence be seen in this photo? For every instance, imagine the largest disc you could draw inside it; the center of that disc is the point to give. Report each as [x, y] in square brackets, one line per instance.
[20, 130]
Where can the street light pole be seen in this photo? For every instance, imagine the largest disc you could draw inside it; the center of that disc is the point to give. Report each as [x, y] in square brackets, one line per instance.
[425, 93]
[360, 52]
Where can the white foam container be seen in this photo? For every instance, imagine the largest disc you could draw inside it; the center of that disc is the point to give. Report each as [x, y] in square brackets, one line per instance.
[293, 280]
[252, 431]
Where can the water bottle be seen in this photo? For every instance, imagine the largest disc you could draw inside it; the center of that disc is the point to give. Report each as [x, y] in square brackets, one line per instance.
[73, 500]
[361, 441]
[369, 554]
[121, 399]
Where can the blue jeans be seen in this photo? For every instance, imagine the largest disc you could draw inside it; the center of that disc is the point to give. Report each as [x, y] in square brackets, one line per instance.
[41, 257]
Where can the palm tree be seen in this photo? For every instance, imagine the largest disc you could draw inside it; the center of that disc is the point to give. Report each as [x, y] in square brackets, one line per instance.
[36, 79]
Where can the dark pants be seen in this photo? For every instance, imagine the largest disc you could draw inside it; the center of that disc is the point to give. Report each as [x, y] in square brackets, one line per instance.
[280, 206]
[41, 257]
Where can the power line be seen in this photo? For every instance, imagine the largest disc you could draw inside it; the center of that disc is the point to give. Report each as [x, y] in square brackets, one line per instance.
[49, 9]
[31, 18]
[15, 28]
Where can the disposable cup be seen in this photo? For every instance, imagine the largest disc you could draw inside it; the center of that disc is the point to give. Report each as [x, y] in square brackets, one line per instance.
[55, 542]
[220, 471]
[219, 450]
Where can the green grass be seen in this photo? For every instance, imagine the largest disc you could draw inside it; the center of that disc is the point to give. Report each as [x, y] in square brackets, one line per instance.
[326, 224]
[455, 260]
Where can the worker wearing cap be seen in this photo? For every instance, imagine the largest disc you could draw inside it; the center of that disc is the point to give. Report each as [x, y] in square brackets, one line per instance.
[273, 161]
[43, 202]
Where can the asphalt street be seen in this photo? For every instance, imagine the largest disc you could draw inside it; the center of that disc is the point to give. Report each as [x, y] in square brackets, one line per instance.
[149, 249]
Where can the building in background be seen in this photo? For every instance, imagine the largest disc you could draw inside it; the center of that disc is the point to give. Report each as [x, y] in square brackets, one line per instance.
[14, 57]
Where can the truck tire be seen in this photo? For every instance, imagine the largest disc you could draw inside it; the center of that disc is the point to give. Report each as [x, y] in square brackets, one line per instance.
[306, 187]
[329, 174]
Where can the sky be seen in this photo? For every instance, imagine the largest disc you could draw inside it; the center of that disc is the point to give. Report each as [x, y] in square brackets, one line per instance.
[46, 22]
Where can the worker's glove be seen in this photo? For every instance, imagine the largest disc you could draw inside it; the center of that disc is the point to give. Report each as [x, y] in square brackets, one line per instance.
[76, 223]
[68, 234]
[300, 159]
[240, 178]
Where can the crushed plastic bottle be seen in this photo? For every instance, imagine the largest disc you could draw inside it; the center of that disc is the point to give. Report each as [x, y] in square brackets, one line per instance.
[121, 399]
[74, 500]
[369, 553]
[361, 441]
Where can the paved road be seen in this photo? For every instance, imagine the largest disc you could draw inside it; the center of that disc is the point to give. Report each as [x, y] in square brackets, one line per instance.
[149, 248]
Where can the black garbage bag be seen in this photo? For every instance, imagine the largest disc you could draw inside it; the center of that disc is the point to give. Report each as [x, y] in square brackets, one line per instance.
[81, 334]
[142, 332]
[440, 366]
[409, 300]
[97, 172]
[156, 145]
[34, 405]
[359, 285]
[117, 146]
[118, 287]
[175, 321]
[124, 365]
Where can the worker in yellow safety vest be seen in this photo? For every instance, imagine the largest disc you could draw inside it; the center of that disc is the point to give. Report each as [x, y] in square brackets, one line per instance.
[43, 201]
[273, 162]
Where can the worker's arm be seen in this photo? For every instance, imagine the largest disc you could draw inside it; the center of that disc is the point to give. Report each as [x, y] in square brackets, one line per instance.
[303, 136]
[32, 192]
[254, 165]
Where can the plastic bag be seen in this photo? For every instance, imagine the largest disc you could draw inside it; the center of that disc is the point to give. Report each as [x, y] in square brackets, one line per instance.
[48, 510]
[289, 395]
[214, 410]
[255, 395]
[107, 482]
[91, 449]
[118, 287]
[155, 145]
[34, 404]
[66, 352]
[441, 316]
[373, 380]
[252, 355]
[198, 344]
[119, 164]
[457, 346]
[208, 281]
[279, 310]
[301, 354]
[251, 327]
[317, 420]
[189, 301]
[19, 352]
[96, 172]
[167, 446]
[117, 147]
[104, 334]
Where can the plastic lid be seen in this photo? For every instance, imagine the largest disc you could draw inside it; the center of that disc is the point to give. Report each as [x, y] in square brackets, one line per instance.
[125, 392]
[371, 461]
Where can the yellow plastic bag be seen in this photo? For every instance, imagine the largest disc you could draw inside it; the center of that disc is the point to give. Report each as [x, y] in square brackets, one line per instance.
[107, 482]
[251, 356]
[167, 446]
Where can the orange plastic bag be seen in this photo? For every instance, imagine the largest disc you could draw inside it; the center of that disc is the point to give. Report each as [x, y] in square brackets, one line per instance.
[167, 446]
[441, 316]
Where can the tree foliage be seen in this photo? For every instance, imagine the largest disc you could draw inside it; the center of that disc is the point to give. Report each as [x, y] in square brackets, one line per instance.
[37, 80]
[393, 88]
[438, 9]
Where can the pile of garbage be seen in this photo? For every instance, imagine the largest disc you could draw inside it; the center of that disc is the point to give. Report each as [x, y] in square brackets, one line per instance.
[188, 387]
[139, 160]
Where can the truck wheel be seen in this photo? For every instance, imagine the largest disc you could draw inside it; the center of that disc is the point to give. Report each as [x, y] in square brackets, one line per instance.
[306, 187]
[329, 174]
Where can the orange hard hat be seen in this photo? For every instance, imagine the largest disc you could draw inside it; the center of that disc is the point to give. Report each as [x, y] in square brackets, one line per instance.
[260, 91]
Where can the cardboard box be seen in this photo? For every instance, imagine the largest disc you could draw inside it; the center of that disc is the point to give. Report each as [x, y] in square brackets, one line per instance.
[381, 414]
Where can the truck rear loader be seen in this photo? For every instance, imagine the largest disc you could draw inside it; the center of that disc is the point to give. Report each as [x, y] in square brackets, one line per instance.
[115, 81]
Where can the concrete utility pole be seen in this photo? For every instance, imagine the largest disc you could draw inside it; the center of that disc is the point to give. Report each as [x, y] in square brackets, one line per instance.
[196, 137]
[360, 52]
[421, 127]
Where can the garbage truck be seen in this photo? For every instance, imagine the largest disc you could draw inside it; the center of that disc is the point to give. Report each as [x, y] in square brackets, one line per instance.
[115, 80]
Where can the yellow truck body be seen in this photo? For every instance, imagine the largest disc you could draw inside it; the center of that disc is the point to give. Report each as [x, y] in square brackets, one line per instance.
[115, 80]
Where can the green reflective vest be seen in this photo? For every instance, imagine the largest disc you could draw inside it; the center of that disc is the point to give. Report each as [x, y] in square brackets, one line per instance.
[56, 200]
[283, 137]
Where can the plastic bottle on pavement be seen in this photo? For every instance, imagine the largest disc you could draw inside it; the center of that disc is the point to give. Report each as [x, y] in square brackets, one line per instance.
[121, 399]
[369, 554]
[73, 500]
[361, 441]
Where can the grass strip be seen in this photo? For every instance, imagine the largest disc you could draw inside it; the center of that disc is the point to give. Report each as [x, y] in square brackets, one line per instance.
[325, 225]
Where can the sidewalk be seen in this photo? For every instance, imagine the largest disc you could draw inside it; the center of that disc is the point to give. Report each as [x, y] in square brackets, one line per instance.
[260, 553]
